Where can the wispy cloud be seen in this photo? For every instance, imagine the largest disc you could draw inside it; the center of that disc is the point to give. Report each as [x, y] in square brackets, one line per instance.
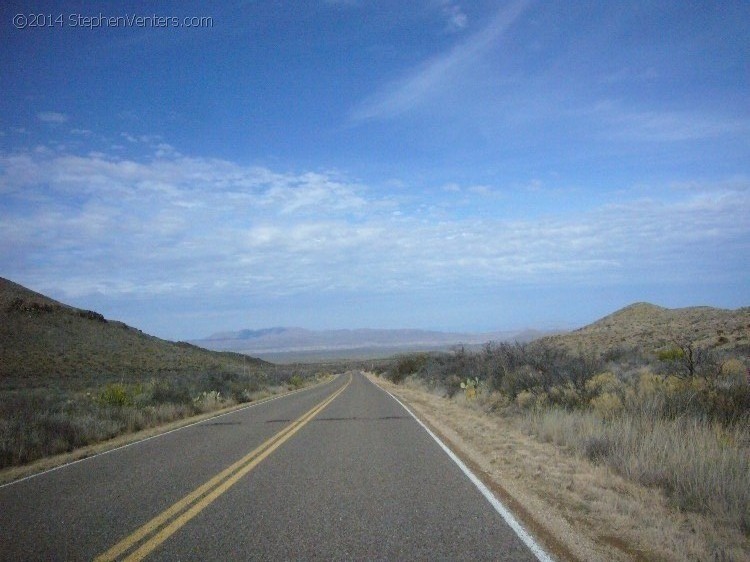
[663, 126]
[457, 19]
[403, 95]
[52, 117]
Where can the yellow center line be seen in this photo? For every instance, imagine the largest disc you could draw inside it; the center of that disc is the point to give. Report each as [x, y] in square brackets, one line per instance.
[201, 497]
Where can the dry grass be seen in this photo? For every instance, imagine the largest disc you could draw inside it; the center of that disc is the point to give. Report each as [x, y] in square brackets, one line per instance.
[702, 467]
[583, 510]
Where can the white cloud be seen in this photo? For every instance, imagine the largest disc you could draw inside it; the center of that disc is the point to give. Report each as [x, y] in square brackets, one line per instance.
[483, 190]
[457, 19]
[94, 223]
[52, 117]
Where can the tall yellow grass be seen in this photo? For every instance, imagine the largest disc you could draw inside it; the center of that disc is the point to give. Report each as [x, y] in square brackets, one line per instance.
[702, 466]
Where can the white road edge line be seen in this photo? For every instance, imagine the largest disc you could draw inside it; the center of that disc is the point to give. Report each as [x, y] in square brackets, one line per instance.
[512, 522]
[108, 451]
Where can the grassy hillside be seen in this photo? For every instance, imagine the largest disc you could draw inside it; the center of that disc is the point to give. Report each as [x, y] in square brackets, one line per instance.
[45, 342]
[650, 328]
[71, 378]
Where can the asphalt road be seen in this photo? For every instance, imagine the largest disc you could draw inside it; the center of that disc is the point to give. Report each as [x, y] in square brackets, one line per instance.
[336, 472]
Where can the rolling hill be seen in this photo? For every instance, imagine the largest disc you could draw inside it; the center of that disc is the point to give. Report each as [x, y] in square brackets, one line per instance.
[43, 341]
[649, 327]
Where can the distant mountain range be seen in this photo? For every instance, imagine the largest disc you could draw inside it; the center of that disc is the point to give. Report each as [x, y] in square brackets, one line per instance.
[641, 325]
[272, 341]
[42, 340]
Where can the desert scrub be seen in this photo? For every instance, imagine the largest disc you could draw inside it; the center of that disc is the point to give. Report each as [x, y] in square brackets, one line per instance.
[35, 423]
[118, 394]
[701, 466]
[407, 365]
[295, 382]
[210, 401]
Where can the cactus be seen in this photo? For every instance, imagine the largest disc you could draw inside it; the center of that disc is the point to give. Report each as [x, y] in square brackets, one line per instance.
[470, 386]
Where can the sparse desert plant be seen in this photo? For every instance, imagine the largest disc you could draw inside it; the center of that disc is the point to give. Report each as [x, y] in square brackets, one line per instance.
[525, 399]
[116, 394]
[608, 404]
[604, 383]
[407, 365]
[208, 401]
[685, 359]
[470, 387]
[566, 396]
[295, 382]
[733, 371]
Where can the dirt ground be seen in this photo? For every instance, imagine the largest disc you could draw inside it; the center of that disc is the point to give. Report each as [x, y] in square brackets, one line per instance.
[577, 510]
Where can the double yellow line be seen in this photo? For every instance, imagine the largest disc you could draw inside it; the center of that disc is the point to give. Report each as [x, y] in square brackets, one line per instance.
[168, 522]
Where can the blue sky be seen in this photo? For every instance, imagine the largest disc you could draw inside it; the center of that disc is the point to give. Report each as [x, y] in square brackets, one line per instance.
[339, 164]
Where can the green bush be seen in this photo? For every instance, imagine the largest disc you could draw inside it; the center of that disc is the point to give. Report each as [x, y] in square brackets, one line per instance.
[407, 365]
[295, 382]
[116, 394]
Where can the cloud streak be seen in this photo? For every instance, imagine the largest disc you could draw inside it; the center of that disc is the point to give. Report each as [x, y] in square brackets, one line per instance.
[664, 126]
[52, 117]
[411, 90]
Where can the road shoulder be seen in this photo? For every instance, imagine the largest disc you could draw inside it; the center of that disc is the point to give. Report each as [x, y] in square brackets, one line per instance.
[577, 510]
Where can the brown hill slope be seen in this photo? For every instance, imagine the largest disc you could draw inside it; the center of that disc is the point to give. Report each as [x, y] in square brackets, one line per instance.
[649, 327]
[43, 341]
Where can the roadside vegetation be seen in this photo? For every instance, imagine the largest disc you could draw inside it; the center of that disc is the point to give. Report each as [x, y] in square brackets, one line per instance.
[70, 378]
[45, 421]
[676, 418]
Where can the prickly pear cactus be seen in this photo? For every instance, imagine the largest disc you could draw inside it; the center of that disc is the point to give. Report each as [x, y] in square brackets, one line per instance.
[470, 386]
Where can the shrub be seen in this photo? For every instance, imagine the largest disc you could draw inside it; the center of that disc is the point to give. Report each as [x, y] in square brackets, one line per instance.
[163, 392]
[116, 394]
[597, 448]
[607, 405]
[407, 365]
[295, 382]
[733, 371]
[566, 396]
[603, 383]
[208, 401]
[525, 399]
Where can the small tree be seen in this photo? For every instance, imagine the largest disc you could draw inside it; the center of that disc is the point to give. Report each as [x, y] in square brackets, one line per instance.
[686, 360]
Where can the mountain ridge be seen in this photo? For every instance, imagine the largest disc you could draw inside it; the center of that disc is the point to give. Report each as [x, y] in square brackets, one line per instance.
[294, 339]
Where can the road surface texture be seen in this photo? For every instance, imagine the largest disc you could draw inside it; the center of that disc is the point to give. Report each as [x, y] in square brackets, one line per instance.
[340, 471]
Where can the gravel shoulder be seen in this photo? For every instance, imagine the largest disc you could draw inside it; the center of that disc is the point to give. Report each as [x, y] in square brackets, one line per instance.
[577, 510]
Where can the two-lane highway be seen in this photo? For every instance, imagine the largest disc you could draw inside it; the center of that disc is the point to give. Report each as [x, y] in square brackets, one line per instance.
[336, 472]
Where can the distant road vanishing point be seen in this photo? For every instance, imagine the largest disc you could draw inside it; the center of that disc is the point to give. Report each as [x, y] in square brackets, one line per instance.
[340, 471]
